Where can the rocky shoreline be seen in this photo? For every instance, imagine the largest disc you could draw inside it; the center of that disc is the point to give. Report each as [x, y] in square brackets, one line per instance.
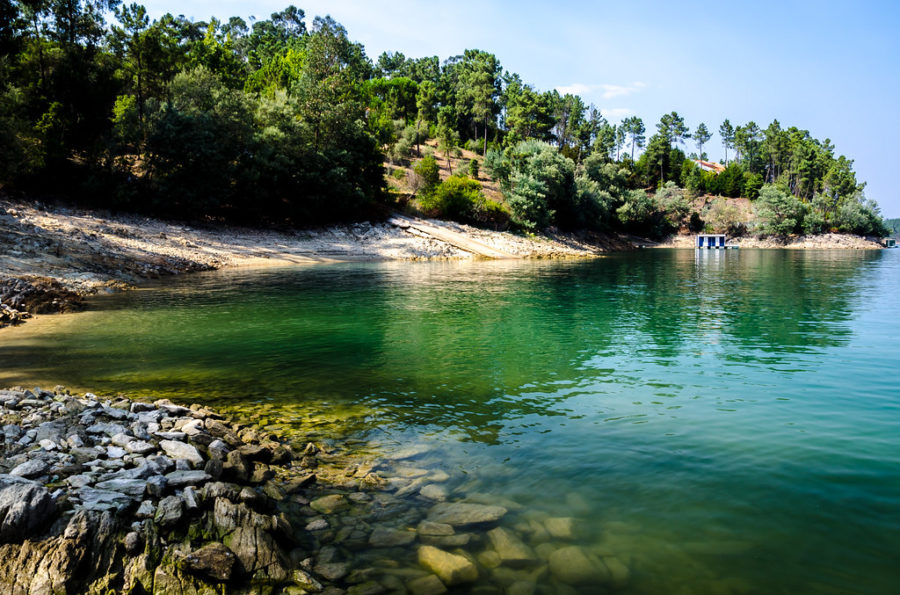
[117, 495]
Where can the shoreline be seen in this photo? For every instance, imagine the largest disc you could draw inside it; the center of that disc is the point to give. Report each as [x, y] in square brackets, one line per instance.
[51, 259]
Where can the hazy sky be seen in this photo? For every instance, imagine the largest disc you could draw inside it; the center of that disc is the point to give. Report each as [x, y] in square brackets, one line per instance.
[832, 68]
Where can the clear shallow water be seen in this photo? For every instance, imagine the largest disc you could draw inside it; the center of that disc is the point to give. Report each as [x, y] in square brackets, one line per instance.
[723, 422]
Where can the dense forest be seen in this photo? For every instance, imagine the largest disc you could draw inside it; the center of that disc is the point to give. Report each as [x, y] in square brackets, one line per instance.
[285, 121]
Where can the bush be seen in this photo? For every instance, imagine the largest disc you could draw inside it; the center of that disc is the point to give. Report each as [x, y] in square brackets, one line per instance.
[671, 202]
[429, 174]
[723, 217]
[860, 217]
[496, 167]
[780, 213]
[455, 198]
[473, 169]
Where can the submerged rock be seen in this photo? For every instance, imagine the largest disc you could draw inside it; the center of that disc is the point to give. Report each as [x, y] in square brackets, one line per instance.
[575, 566]
[511, 549]
[329, 504]
[461, 514]
[452, 569]
[387, 537]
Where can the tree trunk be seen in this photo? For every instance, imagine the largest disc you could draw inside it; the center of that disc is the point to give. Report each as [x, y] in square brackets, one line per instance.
[484, 151]
[418, 123]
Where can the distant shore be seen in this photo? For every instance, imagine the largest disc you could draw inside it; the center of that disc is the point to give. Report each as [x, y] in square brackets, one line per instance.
[51, 258]
[828, 241]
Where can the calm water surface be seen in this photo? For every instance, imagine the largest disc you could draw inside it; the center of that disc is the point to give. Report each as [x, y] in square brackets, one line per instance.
[723, 422]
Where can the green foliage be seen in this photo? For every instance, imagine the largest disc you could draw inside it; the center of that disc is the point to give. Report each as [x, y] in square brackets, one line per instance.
[672, 204]
[722, 216]
[429, 173]
[454, 198]
[637, 212]
[540, 188]
[280, 121]
[780, 214]
[461, 199]
[473, 169]
[861, 217]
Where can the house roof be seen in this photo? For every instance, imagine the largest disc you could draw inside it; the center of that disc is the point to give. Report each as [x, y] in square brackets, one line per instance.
[710, 166]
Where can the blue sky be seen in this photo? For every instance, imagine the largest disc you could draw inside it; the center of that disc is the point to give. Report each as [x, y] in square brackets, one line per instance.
[827, 67]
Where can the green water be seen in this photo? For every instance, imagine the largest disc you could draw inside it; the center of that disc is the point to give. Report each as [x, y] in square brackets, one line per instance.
[723, 422]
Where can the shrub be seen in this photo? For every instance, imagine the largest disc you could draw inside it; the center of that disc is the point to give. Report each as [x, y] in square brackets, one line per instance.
[429, 174]
[473, 169]
[398, 174]
[671, 202]
[780, 213]
[460, 198]
[723, 217]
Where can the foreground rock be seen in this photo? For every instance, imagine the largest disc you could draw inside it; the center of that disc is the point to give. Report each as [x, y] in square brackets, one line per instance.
[120, 496]
[100, 496]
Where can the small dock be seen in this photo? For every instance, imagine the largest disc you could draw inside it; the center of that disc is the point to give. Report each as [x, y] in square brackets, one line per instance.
[713, 241]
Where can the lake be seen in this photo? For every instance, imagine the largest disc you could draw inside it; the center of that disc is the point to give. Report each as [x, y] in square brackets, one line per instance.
[722, 422]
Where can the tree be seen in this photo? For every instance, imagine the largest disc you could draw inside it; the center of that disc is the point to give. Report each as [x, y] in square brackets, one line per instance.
[781, 214]
[634, 126]
[726, 133]
[528, 114]
[540, 189]
[671, 126]
[448, 137]
[620, 140]
[701, 137]
[425, 107]
[478, 86]
[132, 42]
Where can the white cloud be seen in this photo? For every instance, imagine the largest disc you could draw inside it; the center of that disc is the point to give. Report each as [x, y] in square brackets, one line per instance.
[576, 89]
[611, 91]
[616, 113]
[606, 90]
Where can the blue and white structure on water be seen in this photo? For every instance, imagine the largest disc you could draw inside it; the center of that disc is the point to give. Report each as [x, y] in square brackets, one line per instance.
[712, 241]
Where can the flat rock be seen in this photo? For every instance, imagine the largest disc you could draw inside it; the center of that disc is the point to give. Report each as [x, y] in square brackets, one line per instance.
[102, 500]
[387, 537]
[130, 487]
[434, 529]
[180, 450]
[329, 504]
[575, 566]
[426, 585]
[511, 549]
[179, 479]
[140, 447]
[461, 514]
[452, 569]
[32, 468]
[560, 527]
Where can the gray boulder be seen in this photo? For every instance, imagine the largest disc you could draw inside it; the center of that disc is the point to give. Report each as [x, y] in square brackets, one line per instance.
[25, 508]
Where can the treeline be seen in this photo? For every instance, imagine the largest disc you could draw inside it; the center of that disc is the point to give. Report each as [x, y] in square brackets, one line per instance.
[278, 121]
